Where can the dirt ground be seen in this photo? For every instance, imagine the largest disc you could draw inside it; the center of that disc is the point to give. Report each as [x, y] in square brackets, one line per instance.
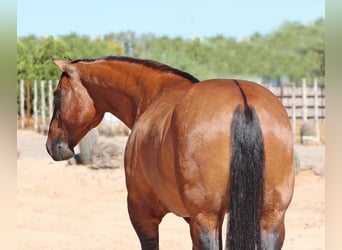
[75, 207]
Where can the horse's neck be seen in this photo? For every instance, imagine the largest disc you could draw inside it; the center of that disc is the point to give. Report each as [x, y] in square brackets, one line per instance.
[127, 90]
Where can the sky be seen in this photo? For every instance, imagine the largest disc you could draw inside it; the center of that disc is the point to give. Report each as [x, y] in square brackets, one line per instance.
[185, 18]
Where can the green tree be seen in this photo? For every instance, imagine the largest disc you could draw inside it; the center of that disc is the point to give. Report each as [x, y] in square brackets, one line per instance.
[22, 58]
[48, 48]
[127, 40]
[292, 51]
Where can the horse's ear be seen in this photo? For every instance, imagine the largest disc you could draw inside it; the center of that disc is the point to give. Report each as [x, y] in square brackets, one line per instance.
[61, 65]
[66, 67]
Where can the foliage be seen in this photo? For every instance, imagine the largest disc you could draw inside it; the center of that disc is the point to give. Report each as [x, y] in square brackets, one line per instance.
[34, 55]
[288, 54]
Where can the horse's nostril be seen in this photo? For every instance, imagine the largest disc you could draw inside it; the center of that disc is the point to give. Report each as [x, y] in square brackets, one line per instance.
[60, 151]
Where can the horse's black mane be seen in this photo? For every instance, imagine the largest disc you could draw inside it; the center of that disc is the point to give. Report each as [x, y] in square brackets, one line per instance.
[147, 63]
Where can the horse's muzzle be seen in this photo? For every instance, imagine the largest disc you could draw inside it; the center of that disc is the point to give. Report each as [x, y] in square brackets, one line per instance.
[59, 150]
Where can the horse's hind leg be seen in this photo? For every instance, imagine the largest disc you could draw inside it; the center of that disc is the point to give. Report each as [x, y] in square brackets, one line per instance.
[272, 235]
[272, 222]
[145, 219]
[206, 232]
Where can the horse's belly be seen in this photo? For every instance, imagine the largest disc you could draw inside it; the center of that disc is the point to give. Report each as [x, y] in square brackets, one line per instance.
[167, 192]
[175, 206]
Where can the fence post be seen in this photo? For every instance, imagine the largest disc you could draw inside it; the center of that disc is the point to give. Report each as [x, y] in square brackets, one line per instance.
[42, 91]
[294, 111]
[50, 99]
[35, 104]
[318, 134]
[22, 105]
[28, 103]
[281, 93]
[304, 94]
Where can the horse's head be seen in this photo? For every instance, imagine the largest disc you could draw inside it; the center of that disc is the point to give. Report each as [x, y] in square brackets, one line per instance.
[75, 113]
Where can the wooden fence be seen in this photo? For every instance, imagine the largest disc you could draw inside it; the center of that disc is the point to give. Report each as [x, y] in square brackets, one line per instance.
[305, 102]
[34, 105]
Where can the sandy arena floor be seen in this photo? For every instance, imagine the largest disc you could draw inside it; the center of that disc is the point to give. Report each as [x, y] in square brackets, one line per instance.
[74, 207]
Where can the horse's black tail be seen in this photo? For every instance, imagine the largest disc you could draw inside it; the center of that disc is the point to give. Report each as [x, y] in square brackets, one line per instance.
[246, 179]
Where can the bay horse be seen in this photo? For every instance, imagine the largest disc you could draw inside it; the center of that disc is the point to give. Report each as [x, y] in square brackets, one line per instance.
[198, 149]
